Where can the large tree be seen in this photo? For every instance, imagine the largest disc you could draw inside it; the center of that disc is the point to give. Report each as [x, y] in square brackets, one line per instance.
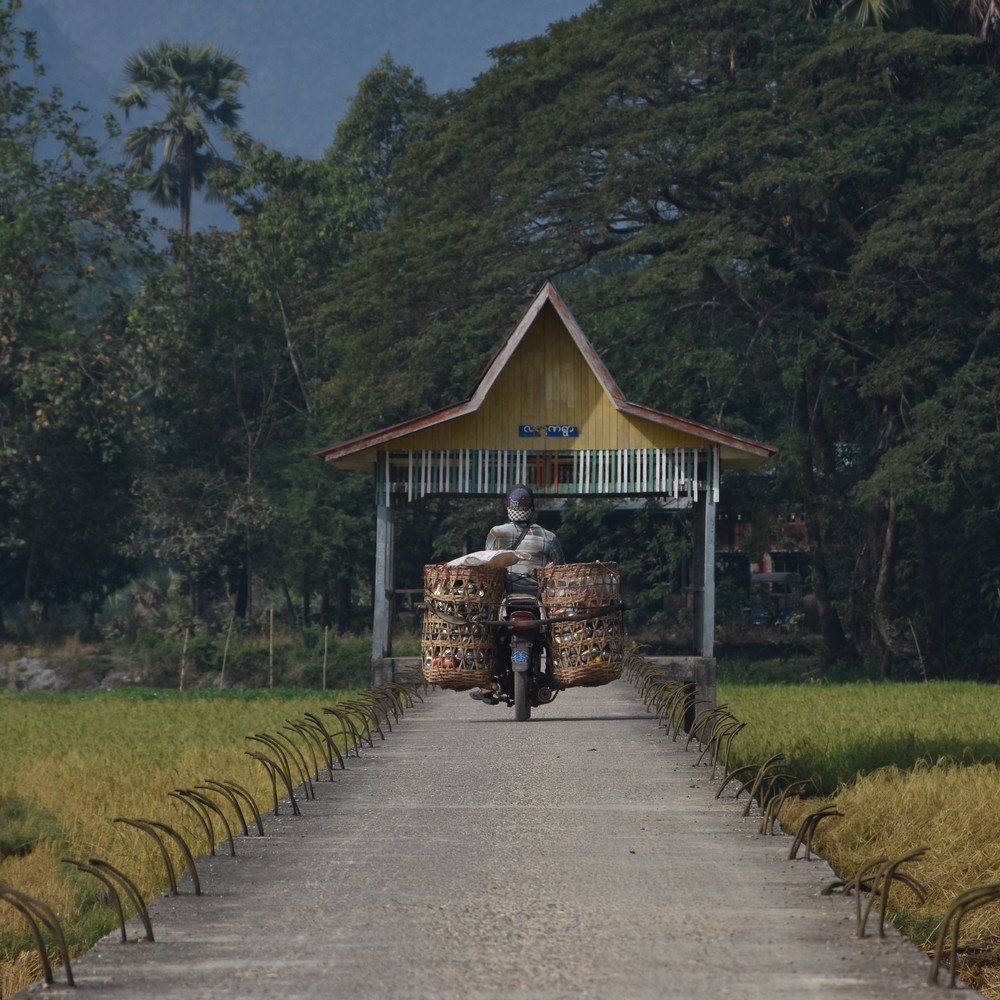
[703, 182]
[390, 107]
[199, 86]
[225, 392]
[69, 417]
[778, 223]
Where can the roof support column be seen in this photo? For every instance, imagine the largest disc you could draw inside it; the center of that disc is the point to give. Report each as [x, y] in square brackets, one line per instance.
[704, 574]
[382, 591]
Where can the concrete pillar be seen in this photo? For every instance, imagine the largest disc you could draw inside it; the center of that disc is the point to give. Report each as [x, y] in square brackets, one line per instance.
[696, 671]
[703, 575]
[382, 596]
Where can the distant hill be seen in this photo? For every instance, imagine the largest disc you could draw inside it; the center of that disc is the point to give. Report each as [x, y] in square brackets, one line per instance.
[305, 58]
[68, 65]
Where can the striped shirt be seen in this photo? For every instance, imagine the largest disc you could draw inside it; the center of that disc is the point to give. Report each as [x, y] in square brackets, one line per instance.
[539, 547]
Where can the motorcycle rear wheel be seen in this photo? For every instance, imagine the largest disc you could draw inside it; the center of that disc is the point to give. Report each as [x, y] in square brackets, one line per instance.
[522, 707]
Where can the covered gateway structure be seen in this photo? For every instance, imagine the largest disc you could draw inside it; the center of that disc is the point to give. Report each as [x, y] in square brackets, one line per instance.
[547, 413]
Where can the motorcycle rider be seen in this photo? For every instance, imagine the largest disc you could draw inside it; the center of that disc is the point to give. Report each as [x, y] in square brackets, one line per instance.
[535, 547]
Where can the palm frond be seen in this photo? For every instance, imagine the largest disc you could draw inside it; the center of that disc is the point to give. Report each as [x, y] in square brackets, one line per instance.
[869, 13]
[163, 186]
[199, 85]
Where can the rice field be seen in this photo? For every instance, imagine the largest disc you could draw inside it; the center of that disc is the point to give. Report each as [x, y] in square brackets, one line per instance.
[910, 766]
[71, 764]
[830, 733]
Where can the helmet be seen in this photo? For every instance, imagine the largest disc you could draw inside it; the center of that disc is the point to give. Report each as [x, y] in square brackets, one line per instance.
[520, 503]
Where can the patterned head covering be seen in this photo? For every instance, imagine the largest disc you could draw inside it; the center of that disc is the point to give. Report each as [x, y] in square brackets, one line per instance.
[520, 503]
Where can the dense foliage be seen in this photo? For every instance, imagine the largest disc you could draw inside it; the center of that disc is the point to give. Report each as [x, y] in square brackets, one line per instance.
[779, 219]
[69, 423]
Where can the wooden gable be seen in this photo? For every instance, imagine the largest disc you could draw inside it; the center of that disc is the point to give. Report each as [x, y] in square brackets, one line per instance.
[546, 396]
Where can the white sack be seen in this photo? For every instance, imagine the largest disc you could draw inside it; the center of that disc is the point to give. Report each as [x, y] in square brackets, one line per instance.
[485, 557]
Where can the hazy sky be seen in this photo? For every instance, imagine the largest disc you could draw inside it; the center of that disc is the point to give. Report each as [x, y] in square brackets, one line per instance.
[304, 57]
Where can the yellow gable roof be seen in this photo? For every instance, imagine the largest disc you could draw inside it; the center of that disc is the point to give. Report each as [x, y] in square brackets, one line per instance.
[546, 390]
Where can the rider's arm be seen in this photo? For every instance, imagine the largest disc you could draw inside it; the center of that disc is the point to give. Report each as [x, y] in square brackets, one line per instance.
[553, 550]
[494, 541]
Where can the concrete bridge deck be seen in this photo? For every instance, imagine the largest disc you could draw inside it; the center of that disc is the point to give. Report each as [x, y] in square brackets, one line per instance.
[580, 855]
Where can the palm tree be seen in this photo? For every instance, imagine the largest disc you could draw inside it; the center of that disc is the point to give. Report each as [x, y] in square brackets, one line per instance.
[969, 17]
[884, 13]
[981, 18]
[199, 84]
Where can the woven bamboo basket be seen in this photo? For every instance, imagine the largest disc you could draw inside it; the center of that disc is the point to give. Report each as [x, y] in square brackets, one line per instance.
[583, 653]
[460, 656]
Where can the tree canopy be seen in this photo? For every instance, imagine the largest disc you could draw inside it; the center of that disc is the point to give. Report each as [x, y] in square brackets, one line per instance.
[69, 239]
[777, 219]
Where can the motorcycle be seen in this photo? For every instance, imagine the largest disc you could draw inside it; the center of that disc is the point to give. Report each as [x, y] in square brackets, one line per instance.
[485, 631]
[523, 677]
[520, 677]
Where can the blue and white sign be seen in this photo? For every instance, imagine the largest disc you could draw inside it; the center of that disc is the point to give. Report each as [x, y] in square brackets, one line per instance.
[551, 430]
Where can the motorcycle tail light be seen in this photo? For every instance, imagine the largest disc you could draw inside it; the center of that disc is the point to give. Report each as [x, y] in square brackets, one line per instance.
[522, 620]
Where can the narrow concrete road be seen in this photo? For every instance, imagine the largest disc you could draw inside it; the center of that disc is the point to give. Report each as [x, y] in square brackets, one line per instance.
[580, 855]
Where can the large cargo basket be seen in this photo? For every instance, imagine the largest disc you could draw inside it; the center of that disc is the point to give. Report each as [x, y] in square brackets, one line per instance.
[589, 652]
[460, 656]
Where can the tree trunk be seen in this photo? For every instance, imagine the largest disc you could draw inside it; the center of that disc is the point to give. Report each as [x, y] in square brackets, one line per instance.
[29, 577]
[836, 647]
[813, 435]
[865, 573]
[289, 603]
[248, 584]
[292, 357]
[93, 606]
[343, 606]
[306, 601]
[184, 196]
[883, 583]
[186, 155]
[241, 607]
[935, 617]
[884, 639]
